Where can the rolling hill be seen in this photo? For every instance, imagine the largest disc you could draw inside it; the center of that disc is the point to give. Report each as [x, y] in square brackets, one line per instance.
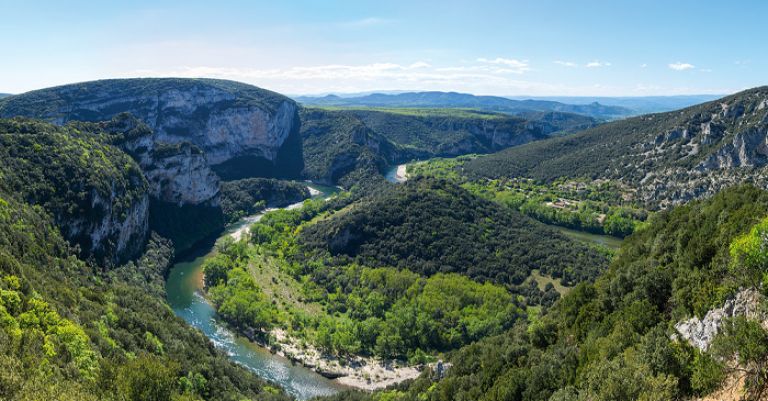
[663, 159]
[339, 141]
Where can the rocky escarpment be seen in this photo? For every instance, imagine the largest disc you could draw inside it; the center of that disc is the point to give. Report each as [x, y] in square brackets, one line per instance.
[721, 145]
[666, 159]
[701, 332]
[338, 142]
[225, 120]
[177, 173]
[115, 237]
[453, 133]
[185, 134]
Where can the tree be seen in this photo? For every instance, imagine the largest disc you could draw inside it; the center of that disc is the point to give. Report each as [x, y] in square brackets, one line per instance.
[147, 378]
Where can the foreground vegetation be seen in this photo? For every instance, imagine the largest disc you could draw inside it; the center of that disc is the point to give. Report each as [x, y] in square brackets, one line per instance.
[70, 331]
[613, 339]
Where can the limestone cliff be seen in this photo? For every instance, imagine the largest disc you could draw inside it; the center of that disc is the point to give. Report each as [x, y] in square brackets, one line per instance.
[701, 332]
[184, 135]
[226, 120]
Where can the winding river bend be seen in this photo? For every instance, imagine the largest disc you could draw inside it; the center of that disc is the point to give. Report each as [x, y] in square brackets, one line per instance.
[183, 288]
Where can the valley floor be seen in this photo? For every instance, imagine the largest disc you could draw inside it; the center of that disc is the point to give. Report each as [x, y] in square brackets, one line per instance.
[364, 373]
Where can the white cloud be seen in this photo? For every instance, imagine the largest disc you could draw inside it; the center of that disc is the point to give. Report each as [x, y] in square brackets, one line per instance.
[569, 64]
[492, 78]
[513, 66]
[681, 66]
[597, 64]
[643, 65]
[419, 64]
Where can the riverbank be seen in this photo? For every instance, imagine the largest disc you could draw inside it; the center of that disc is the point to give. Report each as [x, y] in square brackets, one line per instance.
[364, 373]
[301, 368]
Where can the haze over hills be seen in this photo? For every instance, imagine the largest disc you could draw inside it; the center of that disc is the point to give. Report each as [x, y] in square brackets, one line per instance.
[463, 100]
[637, 104]
[626, 106]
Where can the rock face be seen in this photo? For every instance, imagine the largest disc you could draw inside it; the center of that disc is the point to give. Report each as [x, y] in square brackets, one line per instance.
[225, 120]
[184, 134]
[177, 173]
[95, 192]
[114, 237]
[723, 145]
[665, 159]
[701, 332]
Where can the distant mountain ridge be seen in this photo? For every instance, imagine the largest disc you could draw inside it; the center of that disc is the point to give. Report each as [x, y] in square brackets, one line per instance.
[463, 100]
[638, 104]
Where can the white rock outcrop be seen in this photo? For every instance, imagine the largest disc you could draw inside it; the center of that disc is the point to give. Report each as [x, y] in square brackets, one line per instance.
[701, 332]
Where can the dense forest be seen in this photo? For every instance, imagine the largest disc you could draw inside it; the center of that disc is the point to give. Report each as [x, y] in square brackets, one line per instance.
[70, 330]
[393, 274]
[433, 226]
[596, 206]
[613, 339]
[337, 144]
[77, 176]
[251, 195]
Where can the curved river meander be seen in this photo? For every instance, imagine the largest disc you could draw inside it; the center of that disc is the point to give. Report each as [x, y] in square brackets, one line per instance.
[183, 288]
[184, 285]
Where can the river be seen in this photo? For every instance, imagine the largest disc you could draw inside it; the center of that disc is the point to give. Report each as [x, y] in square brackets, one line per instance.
[605, 240]
[183, 288]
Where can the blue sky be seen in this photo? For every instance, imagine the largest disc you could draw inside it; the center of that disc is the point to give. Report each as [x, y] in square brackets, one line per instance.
[543, 47]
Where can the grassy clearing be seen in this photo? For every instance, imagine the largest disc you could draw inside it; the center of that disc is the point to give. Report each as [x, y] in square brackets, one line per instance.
[542, 282]
[278, 285]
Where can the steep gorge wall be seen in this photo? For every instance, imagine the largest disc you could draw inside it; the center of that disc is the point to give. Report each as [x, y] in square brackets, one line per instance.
[184, 134]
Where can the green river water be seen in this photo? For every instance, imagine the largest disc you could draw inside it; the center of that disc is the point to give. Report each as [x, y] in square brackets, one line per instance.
[183, 288]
